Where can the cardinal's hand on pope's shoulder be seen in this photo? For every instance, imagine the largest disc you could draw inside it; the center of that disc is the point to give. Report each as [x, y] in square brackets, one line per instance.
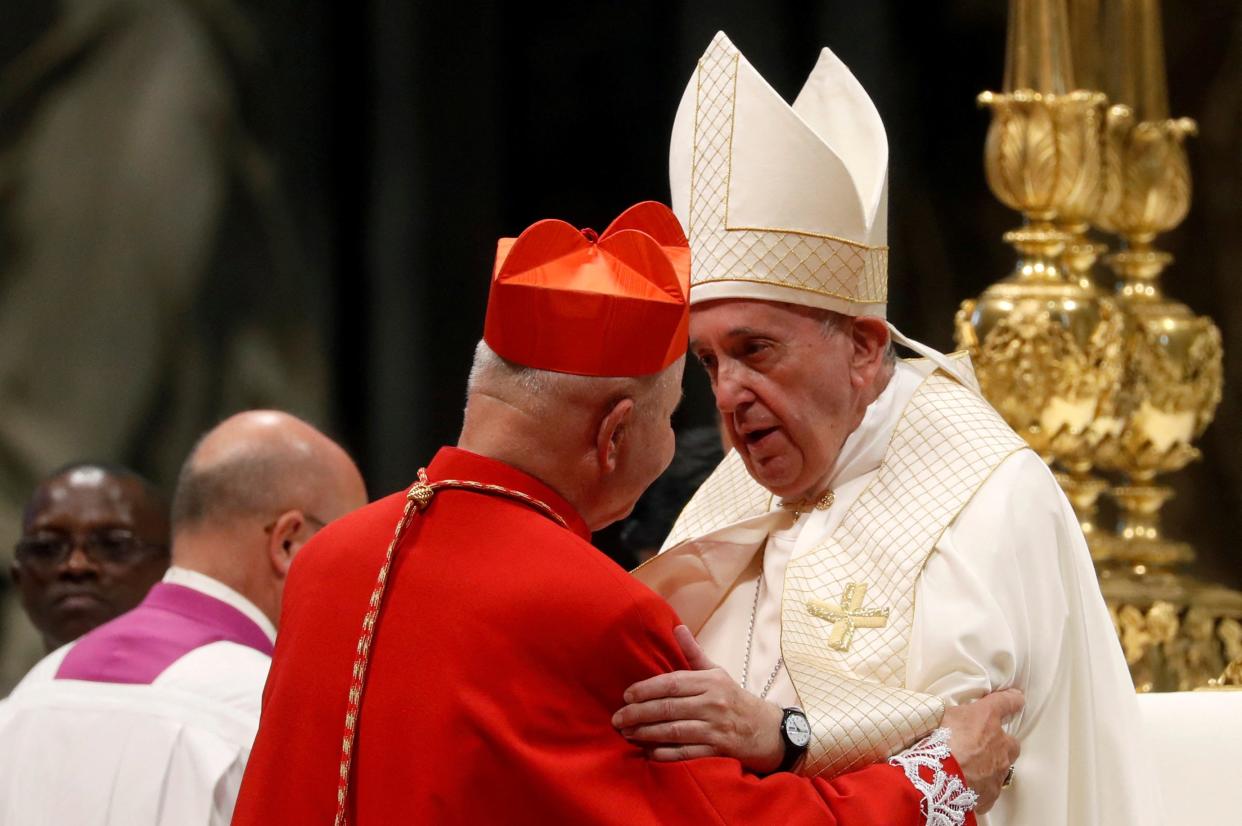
[701, 713]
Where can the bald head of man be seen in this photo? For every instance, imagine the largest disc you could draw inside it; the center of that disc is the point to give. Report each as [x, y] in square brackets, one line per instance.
[251, 493]
[94, 541]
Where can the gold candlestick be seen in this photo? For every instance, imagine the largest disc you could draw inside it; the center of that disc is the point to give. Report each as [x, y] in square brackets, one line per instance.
[1046, 345]
[1124, 382]
[1074, 217]
[1077, 212]
[1178, 631]
[1173, 375]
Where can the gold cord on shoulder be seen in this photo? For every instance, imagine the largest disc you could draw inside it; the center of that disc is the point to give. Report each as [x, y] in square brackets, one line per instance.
[417, 499]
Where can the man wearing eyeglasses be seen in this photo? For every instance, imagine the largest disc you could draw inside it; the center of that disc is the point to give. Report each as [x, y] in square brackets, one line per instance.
[149, 719]
[94, 540]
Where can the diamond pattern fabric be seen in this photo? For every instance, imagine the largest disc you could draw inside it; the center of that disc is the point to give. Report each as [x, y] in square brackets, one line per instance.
[727, 496]
[822, 265]
[947, 444]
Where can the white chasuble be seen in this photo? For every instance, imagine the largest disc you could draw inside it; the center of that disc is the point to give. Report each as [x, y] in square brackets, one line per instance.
[949, 565]
[146, 721]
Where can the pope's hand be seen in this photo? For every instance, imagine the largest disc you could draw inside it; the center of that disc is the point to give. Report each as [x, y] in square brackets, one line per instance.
[701, 713]
[982, 748]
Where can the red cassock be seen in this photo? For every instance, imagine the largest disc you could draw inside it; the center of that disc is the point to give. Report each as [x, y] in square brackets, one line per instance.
[502, 651]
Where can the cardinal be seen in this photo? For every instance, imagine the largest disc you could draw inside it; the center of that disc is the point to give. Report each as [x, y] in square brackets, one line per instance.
[455, 652]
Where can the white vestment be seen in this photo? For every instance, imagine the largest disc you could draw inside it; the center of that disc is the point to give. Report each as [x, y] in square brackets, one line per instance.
[1007, 598]
[169, 751]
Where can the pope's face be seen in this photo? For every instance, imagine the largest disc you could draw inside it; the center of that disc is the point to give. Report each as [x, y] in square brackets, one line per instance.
[785, 386]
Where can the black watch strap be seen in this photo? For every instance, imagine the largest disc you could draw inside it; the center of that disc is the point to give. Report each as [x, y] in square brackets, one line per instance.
[796, 735]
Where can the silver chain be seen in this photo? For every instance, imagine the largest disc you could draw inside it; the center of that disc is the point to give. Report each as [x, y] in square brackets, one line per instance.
[750, 641]
[822, 504]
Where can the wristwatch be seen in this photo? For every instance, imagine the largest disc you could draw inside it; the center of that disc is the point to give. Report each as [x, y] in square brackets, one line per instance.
[796, 732]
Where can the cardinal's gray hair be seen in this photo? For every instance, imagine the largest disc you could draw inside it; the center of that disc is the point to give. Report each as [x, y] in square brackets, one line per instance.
[542, 391]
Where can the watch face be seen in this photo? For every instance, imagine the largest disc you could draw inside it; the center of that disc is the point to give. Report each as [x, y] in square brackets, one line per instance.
[797, 730]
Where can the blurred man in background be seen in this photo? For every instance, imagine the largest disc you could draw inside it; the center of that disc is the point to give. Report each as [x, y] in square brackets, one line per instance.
[94, 540]
[141, 210]
[149, 719]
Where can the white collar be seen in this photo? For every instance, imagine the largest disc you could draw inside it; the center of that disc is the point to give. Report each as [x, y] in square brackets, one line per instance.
[864, 449]
[218, 590]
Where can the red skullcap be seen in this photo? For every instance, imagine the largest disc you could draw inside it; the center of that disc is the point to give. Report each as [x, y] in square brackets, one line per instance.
[613, 305]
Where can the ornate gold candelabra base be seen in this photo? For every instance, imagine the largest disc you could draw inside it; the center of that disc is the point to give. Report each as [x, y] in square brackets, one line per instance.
[1170, 391]
[1177, 633]
[1229, 680]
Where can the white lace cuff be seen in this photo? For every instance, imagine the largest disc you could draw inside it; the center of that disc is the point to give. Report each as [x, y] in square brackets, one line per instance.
[946, 800]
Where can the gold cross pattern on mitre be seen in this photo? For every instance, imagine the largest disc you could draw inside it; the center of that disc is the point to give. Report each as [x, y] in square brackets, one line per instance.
[848, 616]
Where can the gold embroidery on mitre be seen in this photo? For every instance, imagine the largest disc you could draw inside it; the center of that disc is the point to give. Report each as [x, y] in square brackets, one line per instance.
[813, 262]
[849, 616]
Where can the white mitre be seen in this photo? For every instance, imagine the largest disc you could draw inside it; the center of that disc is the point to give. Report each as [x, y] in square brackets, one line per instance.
[786, 203]
[782, 203]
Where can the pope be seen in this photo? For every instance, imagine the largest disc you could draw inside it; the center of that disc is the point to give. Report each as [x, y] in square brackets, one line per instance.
[454, 653]
[879, 544]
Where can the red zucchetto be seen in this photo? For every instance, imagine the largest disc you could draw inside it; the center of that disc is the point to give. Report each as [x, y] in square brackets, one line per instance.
[566, 300]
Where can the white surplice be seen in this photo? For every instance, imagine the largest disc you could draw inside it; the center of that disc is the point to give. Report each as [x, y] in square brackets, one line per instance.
[170, 752]
[1008, 598]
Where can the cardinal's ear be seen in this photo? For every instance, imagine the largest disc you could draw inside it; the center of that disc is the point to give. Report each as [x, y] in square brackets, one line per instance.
[610, 433]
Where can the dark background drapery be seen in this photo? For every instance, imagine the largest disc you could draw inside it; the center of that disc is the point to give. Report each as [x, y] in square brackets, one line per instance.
[467, 121]
[407, 136]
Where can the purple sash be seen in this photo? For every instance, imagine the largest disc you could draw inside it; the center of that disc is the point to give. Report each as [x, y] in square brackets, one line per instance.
[171, 622]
